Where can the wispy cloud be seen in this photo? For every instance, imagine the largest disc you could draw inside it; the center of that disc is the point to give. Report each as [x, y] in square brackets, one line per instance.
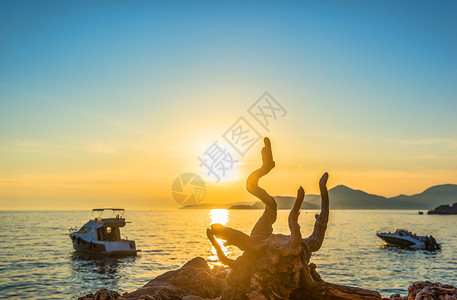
[443, 143]
[100, 148]
[428, 141]
[452, 145]
[44, 147]
[29, 145]
[427, 156]
[98, 116]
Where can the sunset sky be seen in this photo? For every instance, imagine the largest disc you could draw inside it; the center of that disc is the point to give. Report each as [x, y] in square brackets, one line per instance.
[106, 103]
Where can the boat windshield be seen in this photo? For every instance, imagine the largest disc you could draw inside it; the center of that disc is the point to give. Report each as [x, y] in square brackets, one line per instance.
[402, 232]
[109, 234]
[99, 213]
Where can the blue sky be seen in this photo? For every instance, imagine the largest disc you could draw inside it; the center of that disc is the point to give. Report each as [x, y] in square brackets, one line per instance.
[373, 81]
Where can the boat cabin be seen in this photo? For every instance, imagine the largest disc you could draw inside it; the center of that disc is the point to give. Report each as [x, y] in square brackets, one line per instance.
[402, 232]
[102, 233]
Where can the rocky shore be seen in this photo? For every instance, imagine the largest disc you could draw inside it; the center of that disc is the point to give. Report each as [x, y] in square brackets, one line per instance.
[424, 290]
[194, 280]
[444, 210]
[197, 281]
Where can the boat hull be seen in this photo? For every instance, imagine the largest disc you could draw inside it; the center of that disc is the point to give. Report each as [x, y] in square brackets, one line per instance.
[104, 248]
[82, 245]
[399, 241]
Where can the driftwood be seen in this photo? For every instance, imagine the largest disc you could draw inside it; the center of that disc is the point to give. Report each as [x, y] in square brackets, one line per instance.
[275, 266]
[272, 266]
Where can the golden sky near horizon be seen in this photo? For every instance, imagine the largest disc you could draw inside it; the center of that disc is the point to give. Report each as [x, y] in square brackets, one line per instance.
[107, 108]
[137, 173]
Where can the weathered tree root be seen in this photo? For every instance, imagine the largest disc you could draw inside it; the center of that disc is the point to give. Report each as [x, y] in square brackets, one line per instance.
[272, 266]
[275, 266]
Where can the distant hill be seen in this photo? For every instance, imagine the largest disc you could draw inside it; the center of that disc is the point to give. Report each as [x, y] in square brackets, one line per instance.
[343, 197]
[245, 205]
[284, 202]
[207, 206]
[431, 197]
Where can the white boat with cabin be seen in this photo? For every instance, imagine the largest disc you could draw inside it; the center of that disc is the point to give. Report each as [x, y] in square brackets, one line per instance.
[407, 239]
[101, 235]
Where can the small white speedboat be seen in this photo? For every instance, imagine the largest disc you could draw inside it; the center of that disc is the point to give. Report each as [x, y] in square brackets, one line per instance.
[405, 238]
[102, 235]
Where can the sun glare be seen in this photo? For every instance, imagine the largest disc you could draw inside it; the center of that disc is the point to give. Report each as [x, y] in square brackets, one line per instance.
[228, 175]
[220, 216]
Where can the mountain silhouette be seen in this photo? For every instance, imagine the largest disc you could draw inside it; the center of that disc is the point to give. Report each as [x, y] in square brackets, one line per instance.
[431, 197]
[343, 197]
[284, 202]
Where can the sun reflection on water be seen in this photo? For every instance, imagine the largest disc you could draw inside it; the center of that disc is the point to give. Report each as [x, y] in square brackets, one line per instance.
[220, 216]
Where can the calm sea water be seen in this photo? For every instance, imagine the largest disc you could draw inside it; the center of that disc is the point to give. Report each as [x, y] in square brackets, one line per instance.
[37, 259]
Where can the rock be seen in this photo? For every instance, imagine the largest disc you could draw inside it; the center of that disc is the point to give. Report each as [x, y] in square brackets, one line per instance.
[444, 210]
[425, 290]
[195, 280]
[103, 294]
[88, 296]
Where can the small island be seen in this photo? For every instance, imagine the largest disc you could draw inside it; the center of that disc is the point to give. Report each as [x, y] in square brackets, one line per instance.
[445, 209]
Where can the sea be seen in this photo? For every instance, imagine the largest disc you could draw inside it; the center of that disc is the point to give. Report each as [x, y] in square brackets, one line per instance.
[37, 260]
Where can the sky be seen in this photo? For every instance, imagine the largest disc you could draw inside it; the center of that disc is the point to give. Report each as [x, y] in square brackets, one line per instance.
[106, 103]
